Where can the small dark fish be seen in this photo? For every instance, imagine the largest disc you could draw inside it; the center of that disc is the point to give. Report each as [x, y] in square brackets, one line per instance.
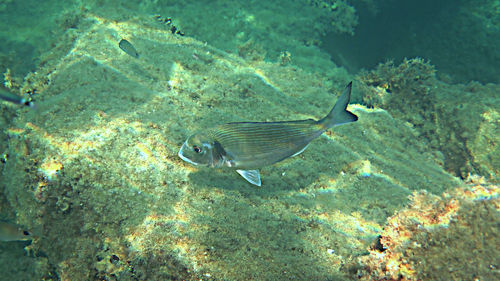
[168, 21]
[247, 146]
[7, 96]
[128, 48]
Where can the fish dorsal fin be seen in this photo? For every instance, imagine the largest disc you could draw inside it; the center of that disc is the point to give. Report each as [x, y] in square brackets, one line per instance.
[252, 176]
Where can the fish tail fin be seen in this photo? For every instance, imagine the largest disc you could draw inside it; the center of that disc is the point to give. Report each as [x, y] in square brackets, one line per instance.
[339, 115]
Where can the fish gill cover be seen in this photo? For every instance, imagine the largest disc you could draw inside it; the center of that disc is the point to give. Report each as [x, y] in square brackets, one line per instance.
[94, 169]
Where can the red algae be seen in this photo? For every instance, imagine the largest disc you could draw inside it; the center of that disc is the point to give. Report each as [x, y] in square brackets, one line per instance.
[448, 237]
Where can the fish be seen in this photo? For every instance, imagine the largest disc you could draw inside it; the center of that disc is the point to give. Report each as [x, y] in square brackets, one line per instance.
[12, 232]
[248, 146]
[128, 48]
[7, 96]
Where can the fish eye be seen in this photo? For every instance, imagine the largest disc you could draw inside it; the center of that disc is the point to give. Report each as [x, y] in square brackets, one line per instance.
[26, 233]
[196, 149]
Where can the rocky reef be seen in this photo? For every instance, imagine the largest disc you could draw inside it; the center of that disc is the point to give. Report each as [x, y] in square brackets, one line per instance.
[93, 171]
[458, 120]
[449, 237]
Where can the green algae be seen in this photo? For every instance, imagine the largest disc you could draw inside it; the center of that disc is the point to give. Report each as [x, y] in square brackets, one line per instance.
[95, 169]
[450, 118]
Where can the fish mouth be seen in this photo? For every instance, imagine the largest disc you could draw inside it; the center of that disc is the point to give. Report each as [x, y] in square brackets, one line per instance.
[184, 157]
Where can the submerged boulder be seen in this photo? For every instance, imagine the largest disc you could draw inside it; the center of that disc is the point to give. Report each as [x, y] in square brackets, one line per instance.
[94, 169]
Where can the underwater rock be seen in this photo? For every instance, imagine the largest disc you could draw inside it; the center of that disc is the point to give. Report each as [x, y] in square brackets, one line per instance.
[95, 168]
[448, 237]
[484, 145]
[451, 119]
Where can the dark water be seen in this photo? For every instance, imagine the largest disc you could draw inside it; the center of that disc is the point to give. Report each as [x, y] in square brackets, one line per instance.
[459, 37]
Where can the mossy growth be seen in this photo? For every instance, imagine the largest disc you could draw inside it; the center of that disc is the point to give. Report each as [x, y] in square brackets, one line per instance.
[448, 237]
[443, 115]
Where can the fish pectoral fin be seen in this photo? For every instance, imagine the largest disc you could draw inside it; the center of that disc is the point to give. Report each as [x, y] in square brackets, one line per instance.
[252, 176]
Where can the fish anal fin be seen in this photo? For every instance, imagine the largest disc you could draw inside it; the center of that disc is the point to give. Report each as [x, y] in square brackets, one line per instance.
[300, 151]
[252, 176]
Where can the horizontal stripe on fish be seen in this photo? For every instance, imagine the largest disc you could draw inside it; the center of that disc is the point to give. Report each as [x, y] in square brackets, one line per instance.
[253, 145]
[257, 132]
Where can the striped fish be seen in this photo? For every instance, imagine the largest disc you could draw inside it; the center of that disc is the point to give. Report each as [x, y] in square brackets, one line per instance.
[248, 146]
